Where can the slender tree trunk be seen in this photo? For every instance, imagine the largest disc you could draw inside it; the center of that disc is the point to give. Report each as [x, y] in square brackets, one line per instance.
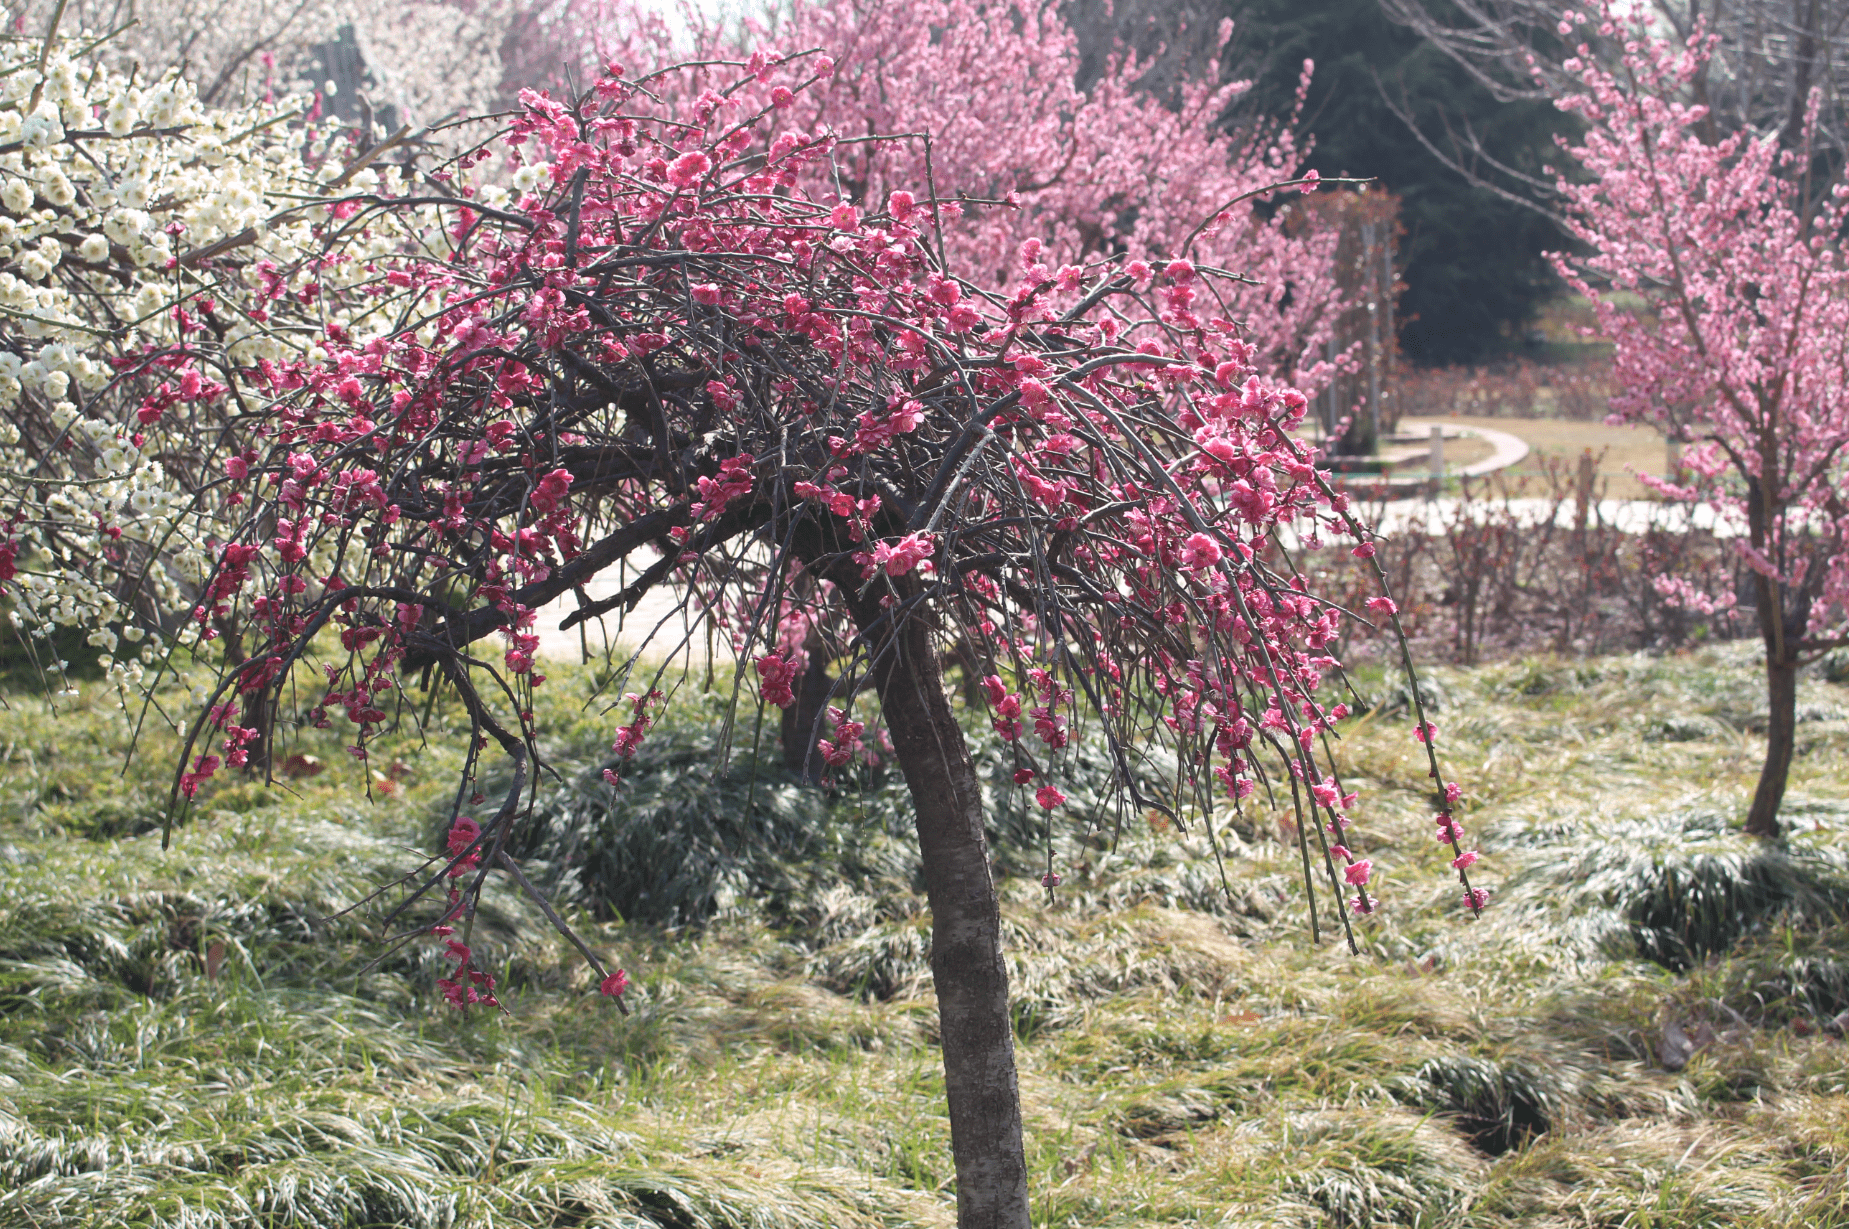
[1781, 742]
[798, 729]
[966, 952]
[1804, 58]
[257, 710]
[1779, 635]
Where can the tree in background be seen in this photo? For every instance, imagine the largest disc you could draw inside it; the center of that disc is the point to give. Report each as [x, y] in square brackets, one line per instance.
[1086, 172]
[427, 59]
[661, 342]
[142, 309]
[1363, 400]
[1472, 259]
[1738, 344]
[1764, 60]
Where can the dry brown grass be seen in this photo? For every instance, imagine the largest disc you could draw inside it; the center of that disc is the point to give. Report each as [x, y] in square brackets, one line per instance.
[1178, 1068]
[1620, 452]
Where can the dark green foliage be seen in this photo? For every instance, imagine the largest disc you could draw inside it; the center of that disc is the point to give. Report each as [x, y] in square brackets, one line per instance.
[1685, 908]
[1498, 1106]
[1685, 886]
[28, 663]
[1471, 260]
[1788, 974]
[1017, 827]
[692, 833]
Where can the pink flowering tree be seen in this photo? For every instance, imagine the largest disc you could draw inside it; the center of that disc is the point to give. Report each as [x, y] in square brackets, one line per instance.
[1082, 174]
[1737, 346]
[985, 102]
[670, 351]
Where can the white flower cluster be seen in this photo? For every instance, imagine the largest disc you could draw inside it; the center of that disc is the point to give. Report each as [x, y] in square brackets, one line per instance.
[143, 235]
[426, 59]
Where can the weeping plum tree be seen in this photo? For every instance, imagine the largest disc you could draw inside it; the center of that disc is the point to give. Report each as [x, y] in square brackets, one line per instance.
[663, 354]
[1089, 172]
[1737, 345]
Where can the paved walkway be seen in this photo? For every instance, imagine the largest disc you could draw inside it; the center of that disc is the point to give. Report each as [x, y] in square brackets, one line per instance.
[656, 618]
[1509, 449]
[1409, 455]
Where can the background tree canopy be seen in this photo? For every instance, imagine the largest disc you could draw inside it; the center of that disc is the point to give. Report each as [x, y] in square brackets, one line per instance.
[1471, 260]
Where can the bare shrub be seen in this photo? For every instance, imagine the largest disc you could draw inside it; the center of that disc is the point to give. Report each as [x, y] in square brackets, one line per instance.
[1513, 565]
[1523, 388]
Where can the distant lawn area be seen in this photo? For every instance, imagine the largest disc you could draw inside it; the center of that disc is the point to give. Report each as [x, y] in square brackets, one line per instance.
[1626, 450]
[1643, 1030]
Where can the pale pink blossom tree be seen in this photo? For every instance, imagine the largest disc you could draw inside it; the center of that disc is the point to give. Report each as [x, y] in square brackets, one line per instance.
[987, 101]
[1740, 345]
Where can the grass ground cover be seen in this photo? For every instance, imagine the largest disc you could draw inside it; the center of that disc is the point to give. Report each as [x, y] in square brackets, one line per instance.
[1644, 1029]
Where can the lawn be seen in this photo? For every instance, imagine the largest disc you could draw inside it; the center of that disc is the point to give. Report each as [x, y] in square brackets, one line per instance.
[1641, 1030]
[1621, 452]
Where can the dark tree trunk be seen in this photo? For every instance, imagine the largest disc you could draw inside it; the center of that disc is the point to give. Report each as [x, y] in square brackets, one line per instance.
[798, 729]
[1780, 630]
[257, 710]
[1781, 742]
[1804, 57]
[966, 951]
[963, 655]
[1783, 614]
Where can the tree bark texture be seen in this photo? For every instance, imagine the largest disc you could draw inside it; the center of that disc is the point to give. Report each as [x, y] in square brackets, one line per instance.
[967, 968]
[1781, 744]
[1780, 630]
[257, 709]
[798, 729]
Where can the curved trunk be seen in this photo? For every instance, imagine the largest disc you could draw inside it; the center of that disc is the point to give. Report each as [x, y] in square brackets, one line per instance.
[966, 953]
[1781, 743]
[1780, 630]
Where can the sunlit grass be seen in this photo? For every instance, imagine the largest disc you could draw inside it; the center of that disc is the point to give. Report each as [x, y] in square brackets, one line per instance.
[192, 1037]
